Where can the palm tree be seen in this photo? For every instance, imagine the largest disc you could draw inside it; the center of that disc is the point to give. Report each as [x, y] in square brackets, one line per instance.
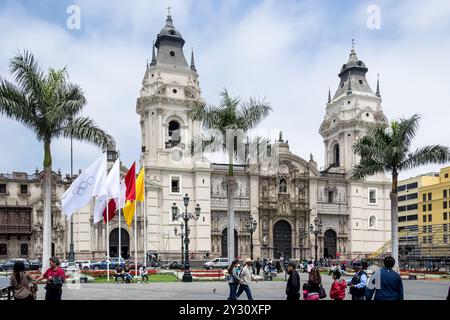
[230, 120]
[50, 106]
[387, 149]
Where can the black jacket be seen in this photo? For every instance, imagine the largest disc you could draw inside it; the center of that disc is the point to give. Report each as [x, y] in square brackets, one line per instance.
[293, 284]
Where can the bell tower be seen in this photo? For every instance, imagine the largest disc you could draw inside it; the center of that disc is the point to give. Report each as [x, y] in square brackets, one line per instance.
[353, 109]
[350, 113]
[169, 90]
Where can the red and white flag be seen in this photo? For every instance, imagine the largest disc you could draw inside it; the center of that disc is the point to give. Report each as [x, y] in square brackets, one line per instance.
[110, 194]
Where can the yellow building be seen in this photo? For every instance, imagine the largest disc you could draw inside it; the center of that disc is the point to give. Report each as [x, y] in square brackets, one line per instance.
[408, 213]
[434, 217]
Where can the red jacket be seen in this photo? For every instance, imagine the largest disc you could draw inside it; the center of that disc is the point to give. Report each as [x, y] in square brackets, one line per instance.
[337, 291]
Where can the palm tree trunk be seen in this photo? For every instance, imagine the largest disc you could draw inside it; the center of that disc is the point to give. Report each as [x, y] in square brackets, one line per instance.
[231, 182]
[394, 221]
[47, 219]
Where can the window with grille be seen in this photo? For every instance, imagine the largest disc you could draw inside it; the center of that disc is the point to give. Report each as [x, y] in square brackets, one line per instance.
[24, 249]
[372, 196]
[3, 249]
[175, 185]
[23, 189]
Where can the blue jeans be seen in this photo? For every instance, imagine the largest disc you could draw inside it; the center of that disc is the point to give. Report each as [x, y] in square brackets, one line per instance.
[233, 289]
[246, 288]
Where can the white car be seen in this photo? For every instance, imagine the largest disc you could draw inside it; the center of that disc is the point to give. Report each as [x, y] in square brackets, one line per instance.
[219, 263]
[84, 264]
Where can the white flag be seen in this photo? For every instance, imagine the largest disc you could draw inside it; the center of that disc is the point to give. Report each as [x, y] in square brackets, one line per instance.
[110, 190]
[123, 194]
[86, 186]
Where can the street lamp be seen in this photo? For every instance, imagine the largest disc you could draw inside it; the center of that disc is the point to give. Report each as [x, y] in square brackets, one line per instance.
[316, 229]
[251, 227]
[186, 216]
[181, 235]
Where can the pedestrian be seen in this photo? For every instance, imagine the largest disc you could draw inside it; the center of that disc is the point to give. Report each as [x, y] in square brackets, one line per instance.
[390, 286]
[143, 273]
[55, 279]
[337, 291]
[293, 283]
[127, 273]
[233, 279]
[24, 287]
[119, 274]
[358, 284]
[245, 277]
[258, 265]
[312, 287]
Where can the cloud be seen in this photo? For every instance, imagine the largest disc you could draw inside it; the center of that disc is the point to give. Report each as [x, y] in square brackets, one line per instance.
[287, 53]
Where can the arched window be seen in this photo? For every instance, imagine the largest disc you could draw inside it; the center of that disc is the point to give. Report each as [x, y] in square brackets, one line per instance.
[336, 155]
[24, 249]
[283, 186]
[3, 249]
[174, 133]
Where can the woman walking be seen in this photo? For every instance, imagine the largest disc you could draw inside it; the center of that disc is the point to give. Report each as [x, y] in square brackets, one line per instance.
[312, 287]
[24, 287]
[233, 279]
[337, 291]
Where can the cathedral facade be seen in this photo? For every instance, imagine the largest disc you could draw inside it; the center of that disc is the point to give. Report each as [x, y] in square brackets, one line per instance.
[298, 208]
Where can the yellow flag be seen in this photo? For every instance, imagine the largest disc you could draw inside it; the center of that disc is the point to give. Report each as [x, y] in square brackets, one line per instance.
[128, 211]
[140, 186]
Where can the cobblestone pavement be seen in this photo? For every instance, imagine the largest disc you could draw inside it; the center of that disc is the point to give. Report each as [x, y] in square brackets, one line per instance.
[265, 290]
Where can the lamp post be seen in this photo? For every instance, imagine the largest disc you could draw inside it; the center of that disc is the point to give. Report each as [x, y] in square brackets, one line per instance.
[316, 229]
[186, 216]
[181, 235]
[251, 227]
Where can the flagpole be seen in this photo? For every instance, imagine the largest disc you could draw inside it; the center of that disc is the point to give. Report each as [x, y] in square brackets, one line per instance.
[145, 227]
[107, 236]
[120, 236]
[135, 242]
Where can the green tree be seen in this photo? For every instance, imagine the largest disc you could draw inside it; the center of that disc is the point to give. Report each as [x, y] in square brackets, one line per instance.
[229, 122]
[387, 149]
[50, 106]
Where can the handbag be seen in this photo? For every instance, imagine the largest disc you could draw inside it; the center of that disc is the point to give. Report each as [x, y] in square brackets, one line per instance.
[322, 292]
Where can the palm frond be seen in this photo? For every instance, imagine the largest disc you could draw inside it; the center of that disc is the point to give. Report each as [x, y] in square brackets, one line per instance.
[407, 129]
[27, 73]
[253, 112]
[84, 129]
[367, 167]
[426, 155]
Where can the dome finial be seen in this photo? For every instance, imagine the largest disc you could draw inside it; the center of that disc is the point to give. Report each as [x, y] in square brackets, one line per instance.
[169, 21]
[353, 45]
[378, 94]
[153, 62]
[192, 60]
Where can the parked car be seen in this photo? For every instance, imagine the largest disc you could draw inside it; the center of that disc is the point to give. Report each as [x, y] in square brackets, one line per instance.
[218, 263]
[103, 265]
[72, 267]
[84, 264]
[35, 264]
[9, 264]
[172, 265]
[63, 264]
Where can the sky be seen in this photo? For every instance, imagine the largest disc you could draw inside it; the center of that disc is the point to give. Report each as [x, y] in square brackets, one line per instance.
[286, 51]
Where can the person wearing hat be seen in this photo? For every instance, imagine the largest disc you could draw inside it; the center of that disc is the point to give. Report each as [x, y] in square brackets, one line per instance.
[358, 284]
[245, 277]
[293, 283]
[55, 278]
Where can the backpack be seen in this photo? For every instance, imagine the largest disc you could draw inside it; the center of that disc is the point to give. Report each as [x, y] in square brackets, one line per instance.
[322, 292]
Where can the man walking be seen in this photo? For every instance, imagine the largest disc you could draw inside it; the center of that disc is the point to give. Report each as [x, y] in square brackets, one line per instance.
[293, 283]
[358, 284]
[245, 277]
[390, 286]
[258, 266]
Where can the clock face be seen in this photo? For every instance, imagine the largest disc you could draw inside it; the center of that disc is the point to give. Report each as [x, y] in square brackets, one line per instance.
[177, 154]
[284, 169]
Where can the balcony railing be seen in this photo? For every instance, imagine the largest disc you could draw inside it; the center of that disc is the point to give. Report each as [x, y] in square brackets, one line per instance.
[15, 229]
[224, 167]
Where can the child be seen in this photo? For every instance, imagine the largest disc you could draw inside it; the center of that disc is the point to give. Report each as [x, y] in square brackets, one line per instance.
[337, 291]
